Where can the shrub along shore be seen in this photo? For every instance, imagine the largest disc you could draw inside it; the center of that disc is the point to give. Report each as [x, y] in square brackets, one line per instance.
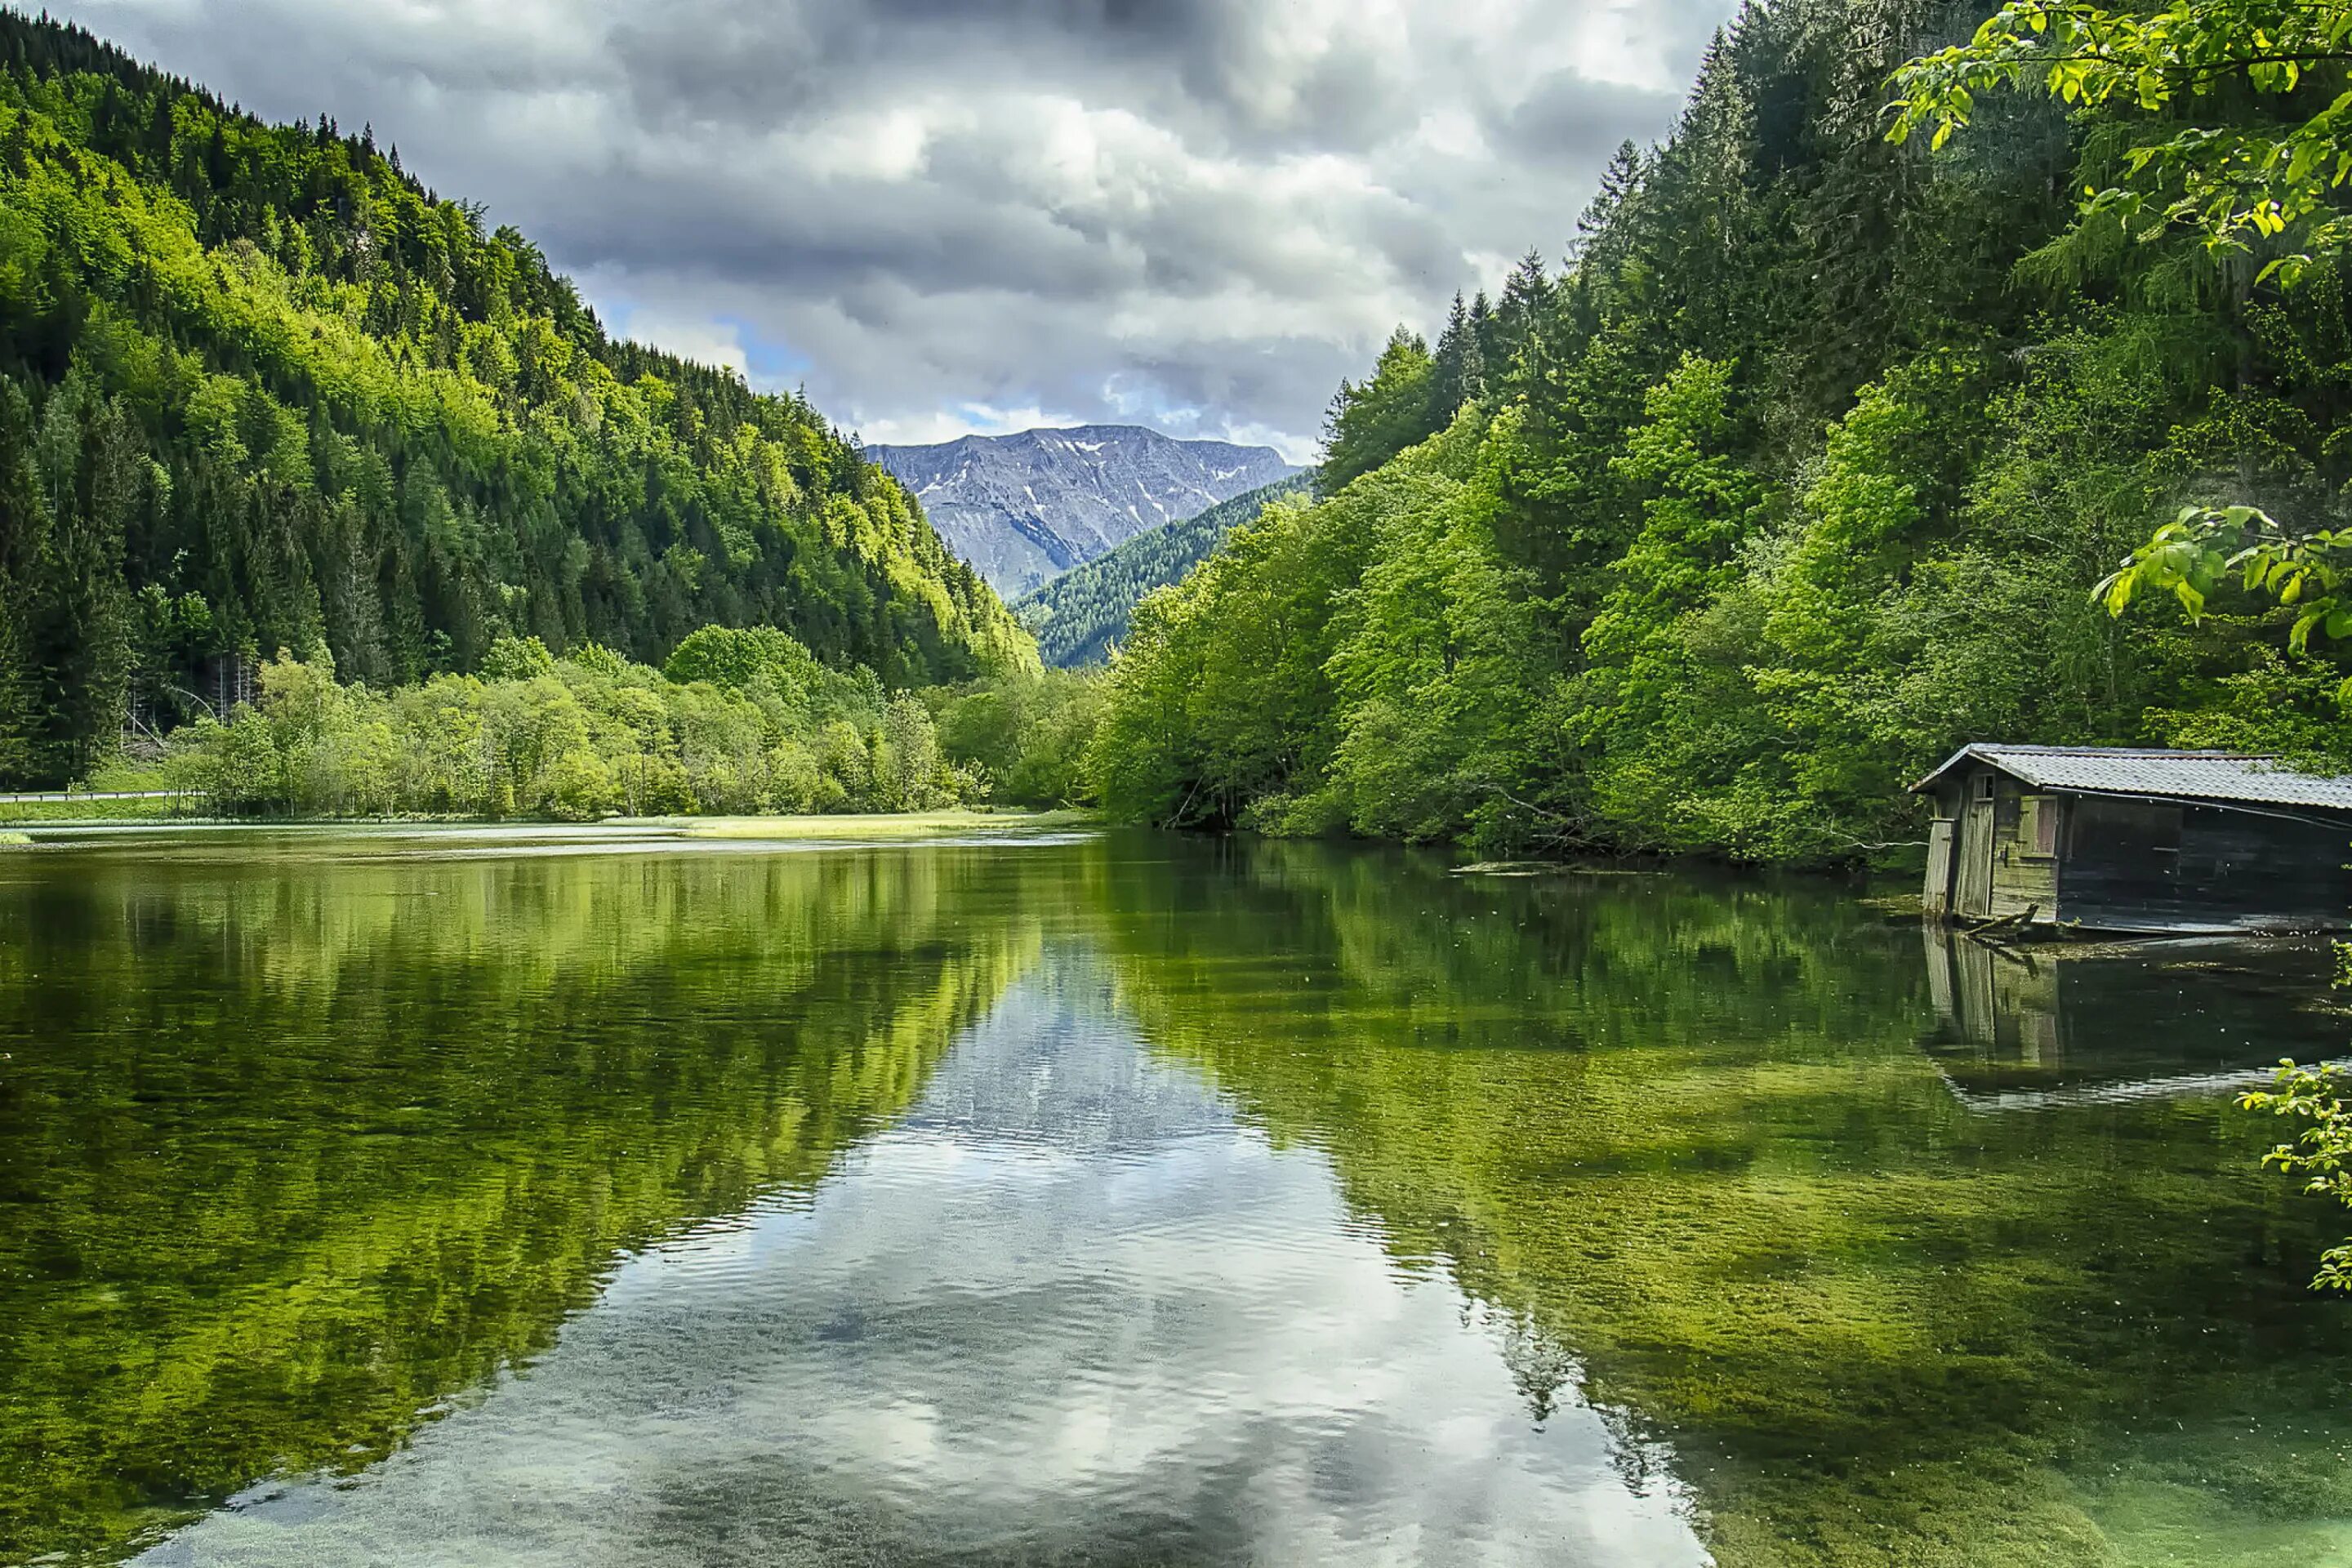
[736, 722]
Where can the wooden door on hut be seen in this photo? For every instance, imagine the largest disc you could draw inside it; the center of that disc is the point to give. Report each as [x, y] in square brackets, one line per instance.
[1972, 879]
[1938, 896]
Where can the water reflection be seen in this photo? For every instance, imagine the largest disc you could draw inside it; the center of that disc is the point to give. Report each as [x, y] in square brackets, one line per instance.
[1135, 1199]
[2025, 1028]
[1687, 1129]
[293, 1149]
[1065, 1309]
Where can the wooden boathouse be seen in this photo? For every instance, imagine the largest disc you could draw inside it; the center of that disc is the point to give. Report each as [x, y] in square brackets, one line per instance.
[2139, 841]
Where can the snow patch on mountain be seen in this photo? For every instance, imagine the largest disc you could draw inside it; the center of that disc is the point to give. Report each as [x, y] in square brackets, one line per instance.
[1023, 508]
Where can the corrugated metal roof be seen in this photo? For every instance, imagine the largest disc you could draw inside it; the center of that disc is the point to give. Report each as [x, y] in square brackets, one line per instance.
[2187, 775]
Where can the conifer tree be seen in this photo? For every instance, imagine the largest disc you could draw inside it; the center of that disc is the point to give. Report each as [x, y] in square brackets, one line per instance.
[1458, 371]
[262, 372]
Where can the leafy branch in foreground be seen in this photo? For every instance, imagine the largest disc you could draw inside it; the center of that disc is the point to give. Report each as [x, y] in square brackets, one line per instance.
[2204, 547]
[2189, 558]
[2270, 181]
[2321, 1151]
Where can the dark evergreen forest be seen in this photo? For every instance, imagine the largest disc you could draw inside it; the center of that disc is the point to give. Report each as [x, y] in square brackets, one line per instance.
[1800, 471]
[259, 389]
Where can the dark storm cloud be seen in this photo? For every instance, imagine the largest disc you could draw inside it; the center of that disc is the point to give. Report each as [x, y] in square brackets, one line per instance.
[1196, 64]
[950, 214]
[1570, 123]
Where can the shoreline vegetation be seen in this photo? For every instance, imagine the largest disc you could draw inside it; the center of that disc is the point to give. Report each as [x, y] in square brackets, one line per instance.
[862, 827]
[1799, 473]
[1795, 475]
[737, 723]
[869, 828]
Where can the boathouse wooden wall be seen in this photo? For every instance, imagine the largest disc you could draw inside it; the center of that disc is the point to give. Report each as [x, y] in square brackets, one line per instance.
[2001, 861]
[2133, 864]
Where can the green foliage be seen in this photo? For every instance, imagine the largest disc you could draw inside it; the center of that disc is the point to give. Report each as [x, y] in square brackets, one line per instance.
[2321, 1152]
[577, 738]
[1655, 704]
[517, 659]
[2204, 548]
[2282, 705]
[1790, 484]
[2267, 182]
[741, 658]
[1221, 700]
[82, 809]
[1079, 616]
[1370, 424]
[1432, 651]
[1457, 372]
[1026, 736]
[258, 388]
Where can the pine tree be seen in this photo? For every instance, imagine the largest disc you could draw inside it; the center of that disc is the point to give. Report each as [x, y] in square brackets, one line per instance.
[23, 547]
[382, 477]
[1458, 374]
[1526, 301]
[1602, 232]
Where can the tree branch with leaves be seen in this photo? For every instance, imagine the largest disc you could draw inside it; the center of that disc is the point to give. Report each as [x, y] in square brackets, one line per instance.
[2189, 558]
[2205, 547]
[2272, 186]
[2321, 1151]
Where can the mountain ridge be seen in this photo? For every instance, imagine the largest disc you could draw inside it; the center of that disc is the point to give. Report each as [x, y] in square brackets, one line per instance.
[1101, 485]
[1078, 615]
[259, 388]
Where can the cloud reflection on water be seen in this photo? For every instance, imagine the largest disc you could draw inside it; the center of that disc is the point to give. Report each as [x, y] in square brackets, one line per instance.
[1067, 1308]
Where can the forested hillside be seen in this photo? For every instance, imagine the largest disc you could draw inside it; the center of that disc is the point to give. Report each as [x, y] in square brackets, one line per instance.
[1078, 615]
[1801, 472]
[260, 389]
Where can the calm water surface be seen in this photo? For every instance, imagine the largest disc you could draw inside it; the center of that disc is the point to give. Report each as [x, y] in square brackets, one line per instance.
[552, 1198]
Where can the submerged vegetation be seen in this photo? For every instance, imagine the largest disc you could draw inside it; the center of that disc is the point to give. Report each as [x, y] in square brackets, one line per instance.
[532, 1066]
[1693, 1140]
[310, 1138]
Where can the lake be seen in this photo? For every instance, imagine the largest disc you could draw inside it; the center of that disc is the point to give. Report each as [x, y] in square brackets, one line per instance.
[547, 1197]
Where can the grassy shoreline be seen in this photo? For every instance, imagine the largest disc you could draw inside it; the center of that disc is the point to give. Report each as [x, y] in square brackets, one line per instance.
[911, 824]
[907, 824]
[92, 813]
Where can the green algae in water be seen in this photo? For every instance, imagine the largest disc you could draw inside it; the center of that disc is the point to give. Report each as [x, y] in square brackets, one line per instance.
[1870, 1252]
[1899, 1278]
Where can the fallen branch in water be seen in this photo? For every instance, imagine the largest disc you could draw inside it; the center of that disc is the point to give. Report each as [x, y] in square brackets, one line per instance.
[2006, 924]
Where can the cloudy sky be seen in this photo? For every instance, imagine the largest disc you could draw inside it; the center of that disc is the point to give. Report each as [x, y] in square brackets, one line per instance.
[943, 216]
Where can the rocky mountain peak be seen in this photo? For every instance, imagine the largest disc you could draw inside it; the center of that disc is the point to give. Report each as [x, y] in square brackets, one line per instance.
[1025, 508]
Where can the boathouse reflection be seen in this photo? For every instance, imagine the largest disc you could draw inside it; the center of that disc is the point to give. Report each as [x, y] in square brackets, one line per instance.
[2016, 1028]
